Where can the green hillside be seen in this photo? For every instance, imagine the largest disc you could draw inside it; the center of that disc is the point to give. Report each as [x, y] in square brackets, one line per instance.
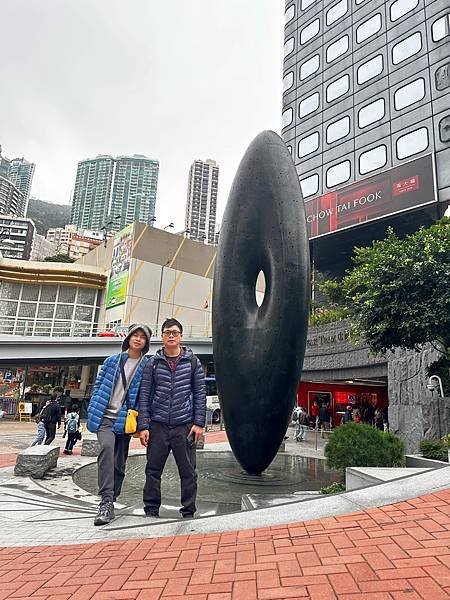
[47, 215]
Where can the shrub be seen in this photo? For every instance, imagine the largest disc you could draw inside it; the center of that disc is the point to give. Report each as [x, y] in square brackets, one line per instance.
[334, 488]
[435, 449]
[358, 445]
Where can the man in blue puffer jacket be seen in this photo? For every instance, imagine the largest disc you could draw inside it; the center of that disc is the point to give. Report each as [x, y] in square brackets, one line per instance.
[172, 412]
[115, 391]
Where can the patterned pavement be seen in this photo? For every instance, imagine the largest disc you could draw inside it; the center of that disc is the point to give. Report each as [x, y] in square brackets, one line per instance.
[398, 552]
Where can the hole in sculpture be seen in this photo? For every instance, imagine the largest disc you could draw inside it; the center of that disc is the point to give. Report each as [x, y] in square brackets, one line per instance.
[260, 288]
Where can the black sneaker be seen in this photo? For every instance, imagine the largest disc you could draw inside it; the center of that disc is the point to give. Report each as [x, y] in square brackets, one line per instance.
[105, 513]
[187, 515]
[152, 513]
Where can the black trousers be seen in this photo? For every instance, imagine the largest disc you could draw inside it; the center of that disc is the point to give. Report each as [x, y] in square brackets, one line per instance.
[72, 439]
[50, 432]
[162, 440]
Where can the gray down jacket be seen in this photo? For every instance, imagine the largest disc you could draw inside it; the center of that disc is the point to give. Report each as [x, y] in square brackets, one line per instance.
[177, 398]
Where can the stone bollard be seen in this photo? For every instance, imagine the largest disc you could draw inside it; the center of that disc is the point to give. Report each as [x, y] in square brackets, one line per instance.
[36, 461]
[90, 447]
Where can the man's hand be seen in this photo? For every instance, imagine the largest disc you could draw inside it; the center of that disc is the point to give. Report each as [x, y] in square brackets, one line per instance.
[197, 431]
[144, 436]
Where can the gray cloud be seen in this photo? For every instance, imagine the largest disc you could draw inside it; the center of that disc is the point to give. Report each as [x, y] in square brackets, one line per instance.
[175, 80]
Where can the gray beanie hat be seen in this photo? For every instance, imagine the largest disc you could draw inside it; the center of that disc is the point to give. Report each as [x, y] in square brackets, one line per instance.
[131, 329]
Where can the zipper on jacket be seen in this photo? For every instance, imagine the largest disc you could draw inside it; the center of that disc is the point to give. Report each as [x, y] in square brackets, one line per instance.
[172, 375]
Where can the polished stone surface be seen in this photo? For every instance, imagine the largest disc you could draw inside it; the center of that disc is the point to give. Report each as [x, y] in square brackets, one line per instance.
[259, 350]
[221, 481]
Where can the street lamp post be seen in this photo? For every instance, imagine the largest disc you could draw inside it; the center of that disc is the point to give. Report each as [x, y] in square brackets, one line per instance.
[107, 228]
[435, 384]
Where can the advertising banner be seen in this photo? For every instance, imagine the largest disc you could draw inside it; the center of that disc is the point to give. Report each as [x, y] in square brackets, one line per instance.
[120, 267]
[399, 189]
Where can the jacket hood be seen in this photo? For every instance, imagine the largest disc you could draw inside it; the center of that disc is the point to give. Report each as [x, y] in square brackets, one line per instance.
[132, 328]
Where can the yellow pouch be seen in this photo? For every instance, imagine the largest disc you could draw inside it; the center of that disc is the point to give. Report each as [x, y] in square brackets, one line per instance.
[131, 422]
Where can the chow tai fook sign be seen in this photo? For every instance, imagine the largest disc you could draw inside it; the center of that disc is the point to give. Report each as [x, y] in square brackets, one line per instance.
[399, 189]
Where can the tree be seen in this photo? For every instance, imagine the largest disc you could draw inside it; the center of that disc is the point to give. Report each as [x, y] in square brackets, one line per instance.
[399, 290]
[64, 258]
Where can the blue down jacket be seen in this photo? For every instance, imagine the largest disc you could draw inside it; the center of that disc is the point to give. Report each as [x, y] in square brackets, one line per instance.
[103, 388]
[179, 398]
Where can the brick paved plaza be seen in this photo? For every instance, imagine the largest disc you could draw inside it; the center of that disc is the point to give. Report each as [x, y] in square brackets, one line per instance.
[399, 551]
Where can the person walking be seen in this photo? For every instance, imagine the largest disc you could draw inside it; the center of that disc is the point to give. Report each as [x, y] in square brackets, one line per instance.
[51, 416]
[115, 391]
[40, 434]
[172, 411]
[347, 416]
[300, 420]
[71, 428]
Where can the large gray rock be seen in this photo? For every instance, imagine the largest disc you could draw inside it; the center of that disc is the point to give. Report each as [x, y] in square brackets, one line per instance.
[90, 447]
[414, 412]
[36, 461]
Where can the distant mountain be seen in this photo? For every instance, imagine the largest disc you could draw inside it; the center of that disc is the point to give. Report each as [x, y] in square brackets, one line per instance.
[47, 215]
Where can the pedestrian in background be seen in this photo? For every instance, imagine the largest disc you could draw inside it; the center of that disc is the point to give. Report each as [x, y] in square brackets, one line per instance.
[71, 429]
[51, 416]
[40, 434]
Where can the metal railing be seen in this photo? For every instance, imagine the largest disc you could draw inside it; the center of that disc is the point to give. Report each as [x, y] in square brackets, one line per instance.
[12, 326]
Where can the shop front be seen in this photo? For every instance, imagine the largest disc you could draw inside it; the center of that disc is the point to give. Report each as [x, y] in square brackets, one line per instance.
[366, 398]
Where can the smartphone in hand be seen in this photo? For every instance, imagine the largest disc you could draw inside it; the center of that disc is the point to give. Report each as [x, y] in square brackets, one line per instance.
[191, 439]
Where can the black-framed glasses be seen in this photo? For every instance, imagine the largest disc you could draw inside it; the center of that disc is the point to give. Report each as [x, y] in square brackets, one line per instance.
[171, 333]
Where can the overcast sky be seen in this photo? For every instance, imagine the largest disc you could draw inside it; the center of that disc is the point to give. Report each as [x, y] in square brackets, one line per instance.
[175, 80]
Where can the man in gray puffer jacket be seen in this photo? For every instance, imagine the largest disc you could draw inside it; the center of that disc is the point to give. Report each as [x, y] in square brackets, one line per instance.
[172, 411]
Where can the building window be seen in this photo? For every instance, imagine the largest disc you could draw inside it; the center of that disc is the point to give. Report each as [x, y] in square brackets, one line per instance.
[288, 81]
[441, 28]
[306, 3]
[401, 7]
[370, 69]
[371, 113]
[309, 185]
[337, 48]
[412, 143]
[336, 12]
[308, 144]
[409, 94]
[444, 129]
[338, 129]
[372, 159]
[289, 46]
[289, 13]
[368, 28]
[338, 88]
[442, 77]
[309, 105]
[308, 32]
[288, 116]
[340, 173]
[406, 48]
[309, 67]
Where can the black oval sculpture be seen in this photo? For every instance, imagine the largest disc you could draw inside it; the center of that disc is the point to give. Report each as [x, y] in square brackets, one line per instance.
[259, 350]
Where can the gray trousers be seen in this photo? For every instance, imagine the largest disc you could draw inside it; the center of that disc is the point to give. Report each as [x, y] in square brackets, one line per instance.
[162, 440]
[111, 461]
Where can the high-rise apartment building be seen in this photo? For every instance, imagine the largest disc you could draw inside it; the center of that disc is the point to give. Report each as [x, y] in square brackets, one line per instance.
[17, 237]
[19, 172]
[201, 203]
[92, 192]
[107, 188]
[12, 200]
[134, 190]
[366, 117]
